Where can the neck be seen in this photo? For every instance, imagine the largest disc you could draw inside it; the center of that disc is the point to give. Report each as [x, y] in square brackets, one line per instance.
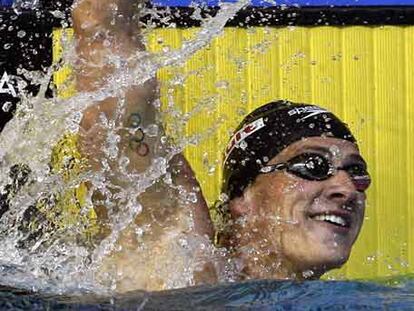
[258, 258]
[256, 265]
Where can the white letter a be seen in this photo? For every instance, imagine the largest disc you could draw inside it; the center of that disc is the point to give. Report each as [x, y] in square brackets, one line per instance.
[6, 87]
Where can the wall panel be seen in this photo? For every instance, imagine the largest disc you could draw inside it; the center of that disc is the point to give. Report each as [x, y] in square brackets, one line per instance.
[364, 74]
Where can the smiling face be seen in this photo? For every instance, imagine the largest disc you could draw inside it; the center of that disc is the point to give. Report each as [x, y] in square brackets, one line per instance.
[300, 225]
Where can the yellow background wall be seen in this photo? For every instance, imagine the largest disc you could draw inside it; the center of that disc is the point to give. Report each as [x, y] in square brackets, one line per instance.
[364, 74]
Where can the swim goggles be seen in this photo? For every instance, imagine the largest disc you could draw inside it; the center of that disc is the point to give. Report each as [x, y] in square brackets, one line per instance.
[315, 167]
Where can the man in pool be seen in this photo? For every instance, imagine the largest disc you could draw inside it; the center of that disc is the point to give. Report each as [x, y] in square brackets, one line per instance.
[293, 176]
[294, 184]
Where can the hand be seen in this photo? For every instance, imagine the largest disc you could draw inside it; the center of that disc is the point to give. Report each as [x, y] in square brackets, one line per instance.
[92, 16]
[103, 29]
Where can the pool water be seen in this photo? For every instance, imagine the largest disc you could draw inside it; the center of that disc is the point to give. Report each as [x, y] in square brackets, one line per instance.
[252, 295]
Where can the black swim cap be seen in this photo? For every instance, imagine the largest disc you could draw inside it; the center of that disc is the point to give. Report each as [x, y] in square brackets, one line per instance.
[267, 131]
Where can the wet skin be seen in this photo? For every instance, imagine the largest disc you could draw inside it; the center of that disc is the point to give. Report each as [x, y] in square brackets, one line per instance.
[277, 234]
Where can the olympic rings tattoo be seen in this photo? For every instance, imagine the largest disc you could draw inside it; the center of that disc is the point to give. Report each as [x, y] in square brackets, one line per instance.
[134, 120]
[139, 135]
[136, 142]
[142, 150]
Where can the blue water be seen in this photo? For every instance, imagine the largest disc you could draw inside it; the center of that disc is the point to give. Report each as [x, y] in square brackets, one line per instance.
[6, 3]
[253, 295]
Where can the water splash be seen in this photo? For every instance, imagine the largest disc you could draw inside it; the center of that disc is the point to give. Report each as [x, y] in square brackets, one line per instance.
[20, 6]
[54, 260]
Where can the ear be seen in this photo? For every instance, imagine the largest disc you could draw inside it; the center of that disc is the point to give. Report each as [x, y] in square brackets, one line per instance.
[240, 206]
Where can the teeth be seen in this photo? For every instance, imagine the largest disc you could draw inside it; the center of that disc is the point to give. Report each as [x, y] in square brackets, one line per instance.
[332, 218]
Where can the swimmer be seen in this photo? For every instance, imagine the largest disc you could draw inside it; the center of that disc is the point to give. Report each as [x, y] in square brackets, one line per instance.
[294, 192]
[294, 181]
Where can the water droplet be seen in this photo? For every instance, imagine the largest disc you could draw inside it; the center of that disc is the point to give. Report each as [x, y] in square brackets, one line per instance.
[164, 140]
[192, 197]
[139, 232]
[335, 151]
[107, 43]
[211, 169]
[223, 197]
[58, 14]
[308, 274]
[7, 106]
[223, 84]
[21, 33]
[243, 145]
[183, 243]
[241, 111]
[152, 130]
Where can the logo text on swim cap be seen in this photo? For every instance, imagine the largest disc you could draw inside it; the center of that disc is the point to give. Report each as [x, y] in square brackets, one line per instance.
[242, 134]
[312, 110]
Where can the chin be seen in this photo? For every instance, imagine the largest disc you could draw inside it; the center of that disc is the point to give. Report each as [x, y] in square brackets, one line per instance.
[332, 261]
[327, 259]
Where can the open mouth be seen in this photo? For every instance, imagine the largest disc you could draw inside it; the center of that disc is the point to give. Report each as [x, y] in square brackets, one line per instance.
[341, 221]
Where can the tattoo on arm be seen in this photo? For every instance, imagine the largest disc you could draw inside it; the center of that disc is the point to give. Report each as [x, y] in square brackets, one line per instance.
[134, 120]
[136, 142]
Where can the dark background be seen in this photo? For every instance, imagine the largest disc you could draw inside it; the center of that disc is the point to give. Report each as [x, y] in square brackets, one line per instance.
[33, 51]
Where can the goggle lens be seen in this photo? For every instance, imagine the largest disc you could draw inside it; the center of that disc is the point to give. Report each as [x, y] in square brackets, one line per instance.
[310, 167]
[313, 166]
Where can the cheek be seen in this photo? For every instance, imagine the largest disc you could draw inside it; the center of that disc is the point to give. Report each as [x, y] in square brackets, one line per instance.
[268, 194]
[298, 196]
[361, 213]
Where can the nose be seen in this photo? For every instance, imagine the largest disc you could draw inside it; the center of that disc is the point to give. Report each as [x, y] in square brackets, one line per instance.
[340, 188]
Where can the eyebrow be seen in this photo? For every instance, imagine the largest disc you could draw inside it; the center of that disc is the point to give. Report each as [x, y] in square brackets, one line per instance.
[319, 149]
[356, 158]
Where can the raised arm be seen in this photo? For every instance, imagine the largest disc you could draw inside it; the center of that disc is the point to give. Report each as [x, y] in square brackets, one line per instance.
[107, 29]
[107, 34]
